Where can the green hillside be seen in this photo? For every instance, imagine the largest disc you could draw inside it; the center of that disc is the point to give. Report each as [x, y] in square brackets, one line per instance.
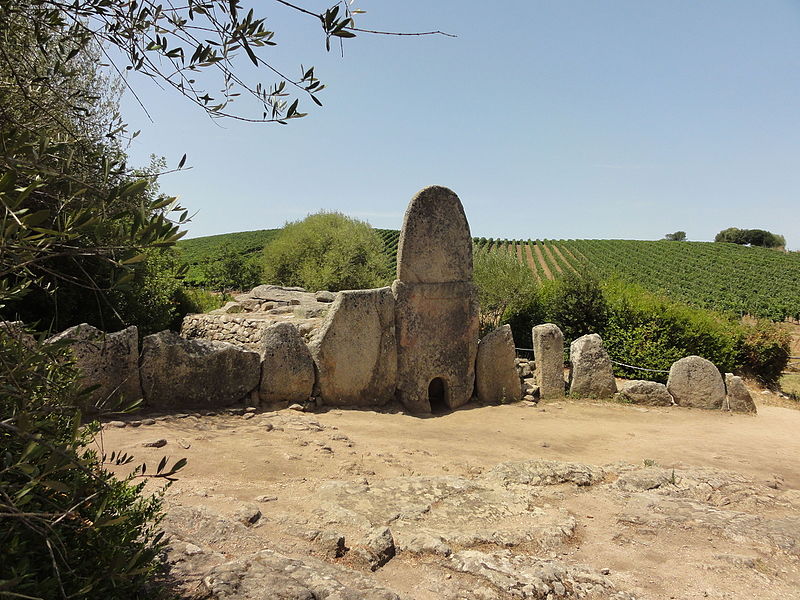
[725, 277]
[719, 276]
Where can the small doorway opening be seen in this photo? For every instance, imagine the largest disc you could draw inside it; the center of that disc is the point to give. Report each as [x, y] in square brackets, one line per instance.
[437, 396]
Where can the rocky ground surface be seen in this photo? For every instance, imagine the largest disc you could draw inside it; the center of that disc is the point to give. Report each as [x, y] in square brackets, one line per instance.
[570, 499]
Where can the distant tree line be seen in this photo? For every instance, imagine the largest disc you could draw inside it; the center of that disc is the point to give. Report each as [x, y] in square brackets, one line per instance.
[752, 237]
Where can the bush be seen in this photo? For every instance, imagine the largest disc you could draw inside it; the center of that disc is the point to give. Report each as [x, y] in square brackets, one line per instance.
[197, 300]
[503, 282]
[232, 271]
[651, 331]
[764, 351]
[327, 251]
[576, 304]
[68, 527]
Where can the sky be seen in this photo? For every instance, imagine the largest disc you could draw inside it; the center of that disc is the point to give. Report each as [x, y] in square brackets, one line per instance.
[550, 119]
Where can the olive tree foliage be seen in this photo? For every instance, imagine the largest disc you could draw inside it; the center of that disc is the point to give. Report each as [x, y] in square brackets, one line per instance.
[678, 236]
[196, 46]
[503, 283]
[327, 251]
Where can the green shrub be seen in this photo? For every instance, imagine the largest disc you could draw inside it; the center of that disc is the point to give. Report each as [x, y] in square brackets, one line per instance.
[68, 527]
[651, 331]
[503, 282]
[576, 304]
[197, 300]
[764, 351]
[327, 251]
[231, 270]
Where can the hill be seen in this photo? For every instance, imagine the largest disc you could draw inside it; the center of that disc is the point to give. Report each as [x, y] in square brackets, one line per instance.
[719, 276]
[724, 277]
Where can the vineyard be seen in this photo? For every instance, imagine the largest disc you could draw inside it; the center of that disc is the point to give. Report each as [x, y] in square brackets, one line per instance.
[724, 277]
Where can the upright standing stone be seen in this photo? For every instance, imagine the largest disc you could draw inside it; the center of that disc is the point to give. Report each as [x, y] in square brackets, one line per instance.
[355, 349]
[109, 361]
[591, 374]
[548, 352]
[738, 396]
[287, 369]
[436, 304]
[496, 377]
[694, 381]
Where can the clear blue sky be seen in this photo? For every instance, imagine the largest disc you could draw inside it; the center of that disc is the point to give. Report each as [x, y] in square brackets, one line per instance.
[558, 119]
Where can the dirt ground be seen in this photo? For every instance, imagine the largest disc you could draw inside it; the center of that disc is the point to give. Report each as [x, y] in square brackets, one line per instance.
[663, 540]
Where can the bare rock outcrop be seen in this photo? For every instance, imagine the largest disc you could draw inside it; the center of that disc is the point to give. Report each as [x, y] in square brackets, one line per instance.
[270, 575]
[548, 352]
[648, 393]
[591, 374]
[496, 378]
[738, 396]
[109, 361]
[696, 382]
[355, 350]
[181, 373]
[287, 369]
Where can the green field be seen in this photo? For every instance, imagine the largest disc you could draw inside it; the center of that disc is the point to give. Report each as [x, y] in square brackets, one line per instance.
[724, 277]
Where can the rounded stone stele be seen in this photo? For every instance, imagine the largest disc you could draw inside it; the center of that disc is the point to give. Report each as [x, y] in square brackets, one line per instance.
[435, 242]
[694, 381]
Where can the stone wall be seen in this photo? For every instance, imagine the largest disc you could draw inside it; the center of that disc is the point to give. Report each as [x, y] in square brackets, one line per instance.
[244, 331]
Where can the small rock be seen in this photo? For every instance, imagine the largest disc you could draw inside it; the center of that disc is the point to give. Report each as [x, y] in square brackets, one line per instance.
[248, 515]
[135, 423]
[250, 409]
[191, 550]
[269, 426]
[148, 421]
[117, 424]
[378, 547]
[298, 407]
[330, 544]
[325, 296]
[266, 498]
[155, 444]
[248, 416]
[184, 444]
[605, 571]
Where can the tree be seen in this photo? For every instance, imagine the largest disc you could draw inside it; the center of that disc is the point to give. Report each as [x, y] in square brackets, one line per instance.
[232, 271]
[678, 236]
[327, 251]
[752, 237]
[503, 282]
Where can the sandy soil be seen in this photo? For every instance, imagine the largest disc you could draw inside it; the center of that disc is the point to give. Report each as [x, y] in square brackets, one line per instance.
[287, 456]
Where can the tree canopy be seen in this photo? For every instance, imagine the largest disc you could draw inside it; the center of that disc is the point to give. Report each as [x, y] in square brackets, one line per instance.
[751, 237]
[327, 251]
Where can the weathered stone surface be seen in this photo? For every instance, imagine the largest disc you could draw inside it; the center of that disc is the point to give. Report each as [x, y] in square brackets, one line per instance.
[181, 373]
[496, 378]
[378, 547]
[437, 339]
[694, 381]
[229, 308]
[287, 369]
[107, 360]
[355, 350]
[591, 374]
[436, 304]
[522, 576]
[548, 352]
[268, 575]
[649, 393]
[435, 243]
[325, 296]
[738, 396]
